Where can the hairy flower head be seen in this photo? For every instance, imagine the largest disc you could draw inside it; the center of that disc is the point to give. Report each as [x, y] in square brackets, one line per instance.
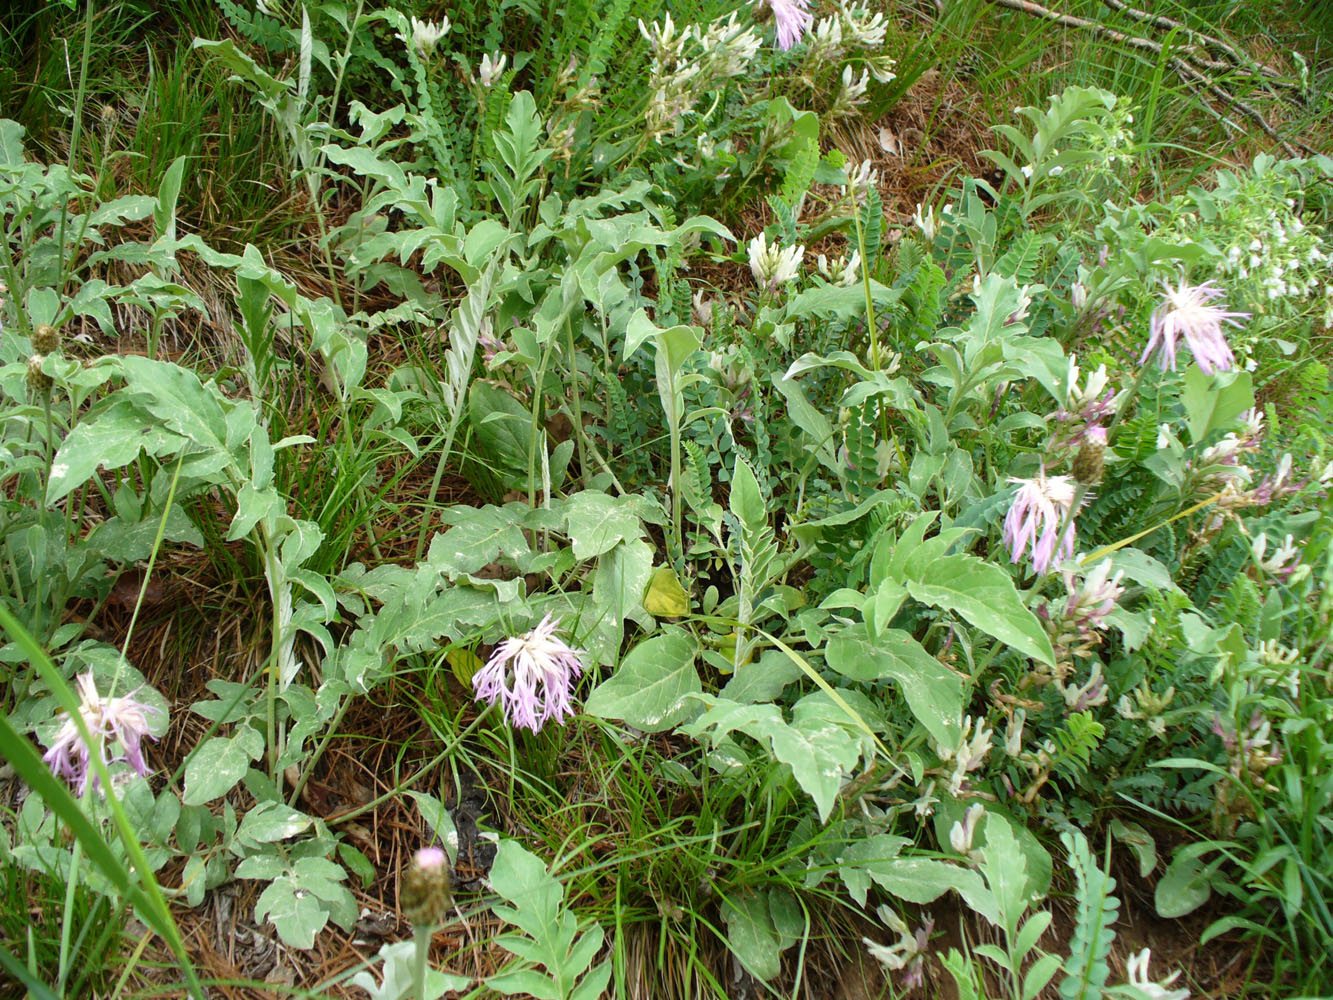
[531, 676]
[122, 720]
[1041, 519]
[1188, 312]
[793, 19]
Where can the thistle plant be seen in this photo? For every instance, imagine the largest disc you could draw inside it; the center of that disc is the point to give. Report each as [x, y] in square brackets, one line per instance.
[1041, 520]
[531, 676]
[1188, 312]
[120, 720]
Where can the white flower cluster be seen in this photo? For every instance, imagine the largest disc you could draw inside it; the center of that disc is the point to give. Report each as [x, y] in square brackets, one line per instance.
[841, 271]
[689, 63]
[1286, 259]
[773, 265]
[970, 755]
[853, 30]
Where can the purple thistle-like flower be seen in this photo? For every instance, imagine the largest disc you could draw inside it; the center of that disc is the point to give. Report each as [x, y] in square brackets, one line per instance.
[793, 19]
[1187, 312]
[1037, 520]
[531, 676]
[122, 719]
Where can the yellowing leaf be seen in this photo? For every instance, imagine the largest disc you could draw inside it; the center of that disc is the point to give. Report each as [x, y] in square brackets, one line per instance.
[665, 597]
[465, 663]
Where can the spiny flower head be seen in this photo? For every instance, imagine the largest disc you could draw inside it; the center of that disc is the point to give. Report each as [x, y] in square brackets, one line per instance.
[531, 676]
[427, 887]
[1041, 519]
[1188, 312]
[793, 19]
[123, 720]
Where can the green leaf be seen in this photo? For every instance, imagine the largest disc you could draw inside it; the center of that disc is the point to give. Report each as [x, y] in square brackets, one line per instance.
[1213, 401]
[597, 523]
[296, 914]
[1138, 840]
[1184, 888]
[751, 935]
[652, 686]
[270, 822]
[216, 766]
[108, 439]
[984, 595]
[934, 693]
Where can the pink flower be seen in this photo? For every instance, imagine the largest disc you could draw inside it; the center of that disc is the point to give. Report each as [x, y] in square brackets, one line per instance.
[1041, 507]
[1187, 313]
[793, 19]
[123, 720]
[531, 676]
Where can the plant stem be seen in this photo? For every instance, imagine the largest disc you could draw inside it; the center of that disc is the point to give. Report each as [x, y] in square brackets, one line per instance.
[421, 938]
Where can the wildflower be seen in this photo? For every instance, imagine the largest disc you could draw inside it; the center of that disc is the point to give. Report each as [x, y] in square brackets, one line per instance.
[1013, 736]
[1138, 978]
[1092, 600]
[853, 92]
[1187, 313]
[841, 271]
[907, 954]
[122, 719]
[793, 19]
[45, 339]
[1086, 696]
[772, 265]
[865, 28]
[926, 222]
[427, 888]
[38, 380]
[491, 69]
[1042, 518]
[531, 676]
[426, 35]
[1283, 563]
[962, 832]
[973, 746]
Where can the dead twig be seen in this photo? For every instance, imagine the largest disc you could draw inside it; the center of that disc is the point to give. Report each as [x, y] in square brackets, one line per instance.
[1191, 69]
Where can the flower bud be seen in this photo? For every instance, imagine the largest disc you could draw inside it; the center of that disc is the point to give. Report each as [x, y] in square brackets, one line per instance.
[38, 380]
[1089, 462]
[45, 339]
[427, 888]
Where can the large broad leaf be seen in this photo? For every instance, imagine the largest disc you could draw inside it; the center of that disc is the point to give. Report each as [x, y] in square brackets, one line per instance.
[934, 693]
[597, 523]
[651, 689]
[216, 766]
[109, 439]
[985, 596]
[751, 934]
[821, 745]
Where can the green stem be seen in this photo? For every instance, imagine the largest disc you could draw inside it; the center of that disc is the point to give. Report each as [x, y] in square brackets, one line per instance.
[421, 938]
[67, 925]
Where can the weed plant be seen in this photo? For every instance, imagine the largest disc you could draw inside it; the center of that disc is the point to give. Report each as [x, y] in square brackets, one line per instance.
[620, 538]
